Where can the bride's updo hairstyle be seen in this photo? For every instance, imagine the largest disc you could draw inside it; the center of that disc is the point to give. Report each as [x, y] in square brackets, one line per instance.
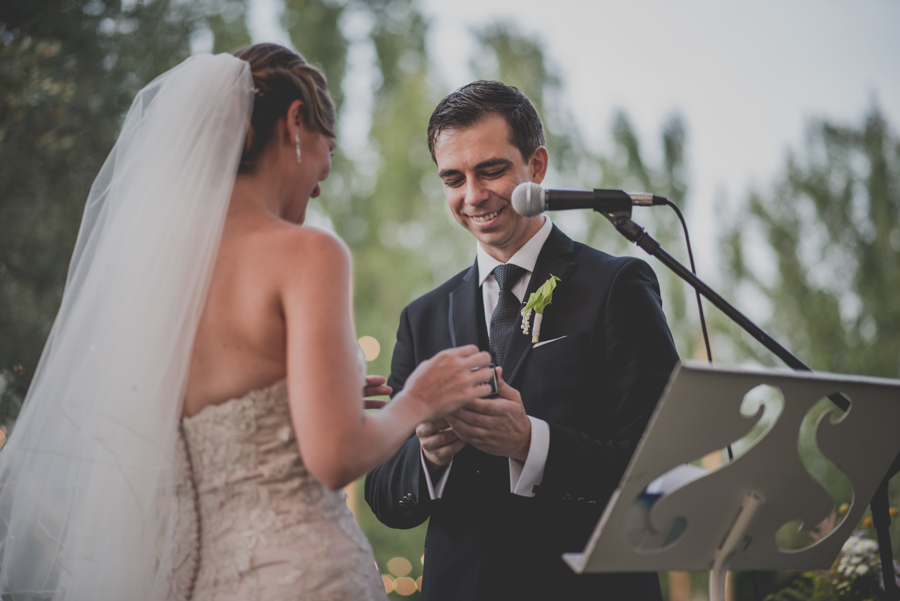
[280, 77]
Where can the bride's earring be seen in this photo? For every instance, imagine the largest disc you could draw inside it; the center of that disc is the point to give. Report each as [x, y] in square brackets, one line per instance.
[297, 145]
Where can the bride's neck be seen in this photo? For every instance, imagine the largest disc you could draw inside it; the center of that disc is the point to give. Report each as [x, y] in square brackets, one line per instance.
[256, 193]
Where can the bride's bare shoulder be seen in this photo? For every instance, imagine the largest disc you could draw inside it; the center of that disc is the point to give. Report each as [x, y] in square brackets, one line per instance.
[308, 240]
[305, 250]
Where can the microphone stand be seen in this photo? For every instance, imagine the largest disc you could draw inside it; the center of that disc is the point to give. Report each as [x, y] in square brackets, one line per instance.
[621, 219]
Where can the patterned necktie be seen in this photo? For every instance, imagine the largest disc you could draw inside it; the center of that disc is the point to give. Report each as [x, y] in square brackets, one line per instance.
[506, 313]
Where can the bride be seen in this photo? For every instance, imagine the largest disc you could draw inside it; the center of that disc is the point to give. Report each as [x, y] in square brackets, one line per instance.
[199, 402]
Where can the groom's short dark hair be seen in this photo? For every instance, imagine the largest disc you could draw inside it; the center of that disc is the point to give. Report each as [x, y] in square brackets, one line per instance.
[475, 102]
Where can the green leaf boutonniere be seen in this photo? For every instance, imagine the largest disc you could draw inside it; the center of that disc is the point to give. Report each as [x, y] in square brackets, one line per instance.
[537, 302]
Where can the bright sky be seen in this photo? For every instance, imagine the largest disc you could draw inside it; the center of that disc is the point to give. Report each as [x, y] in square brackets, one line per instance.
[745, 76]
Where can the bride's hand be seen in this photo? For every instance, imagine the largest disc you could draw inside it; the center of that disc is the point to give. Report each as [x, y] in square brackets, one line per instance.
[450, 379]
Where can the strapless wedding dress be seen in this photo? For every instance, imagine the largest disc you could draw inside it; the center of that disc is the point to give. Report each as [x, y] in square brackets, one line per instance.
[251, 522]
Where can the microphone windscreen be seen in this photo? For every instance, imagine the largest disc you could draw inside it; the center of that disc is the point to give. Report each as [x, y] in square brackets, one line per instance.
[528, 199]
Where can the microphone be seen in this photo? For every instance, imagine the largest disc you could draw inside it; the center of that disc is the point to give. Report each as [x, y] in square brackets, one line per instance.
[530, 199]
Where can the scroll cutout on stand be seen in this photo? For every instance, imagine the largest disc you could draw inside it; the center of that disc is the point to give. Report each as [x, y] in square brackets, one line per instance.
[795, 535]
[759, 409]
[692, 514]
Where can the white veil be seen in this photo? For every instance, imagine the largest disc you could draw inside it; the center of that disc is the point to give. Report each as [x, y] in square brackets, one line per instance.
[85, 475]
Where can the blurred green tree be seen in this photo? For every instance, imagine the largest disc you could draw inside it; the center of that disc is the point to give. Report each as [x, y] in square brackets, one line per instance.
[384, 196]
[315, 30]
[227, 22]
[397, 223]
[830, 262]
[626, 168]
[68, 71]
[816, 262]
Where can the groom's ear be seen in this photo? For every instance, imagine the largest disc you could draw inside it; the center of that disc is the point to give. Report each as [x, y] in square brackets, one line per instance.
[538, 163]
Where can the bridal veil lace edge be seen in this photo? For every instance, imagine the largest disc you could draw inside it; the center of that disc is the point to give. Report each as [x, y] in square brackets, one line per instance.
[86, 475]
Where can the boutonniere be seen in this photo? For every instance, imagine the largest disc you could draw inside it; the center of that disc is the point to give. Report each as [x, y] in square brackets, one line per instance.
[536, 304]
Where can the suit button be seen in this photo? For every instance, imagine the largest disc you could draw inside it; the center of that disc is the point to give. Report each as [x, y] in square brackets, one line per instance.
[567, 497]
[580, 499]
[592, 502]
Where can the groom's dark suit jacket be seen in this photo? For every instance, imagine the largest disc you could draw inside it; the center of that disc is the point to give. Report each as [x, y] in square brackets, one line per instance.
[596, 388]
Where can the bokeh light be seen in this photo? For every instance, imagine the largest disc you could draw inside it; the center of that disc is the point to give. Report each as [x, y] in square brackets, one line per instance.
[388, 582]
[399, 566]
[370, 347]
[405, 586]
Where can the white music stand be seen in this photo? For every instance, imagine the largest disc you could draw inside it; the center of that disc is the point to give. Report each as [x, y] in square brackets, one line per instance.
[728, 518]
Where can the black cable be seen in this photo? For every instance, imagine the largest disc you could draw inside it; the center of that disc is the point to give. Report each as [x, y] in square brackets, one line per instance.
[687, 240]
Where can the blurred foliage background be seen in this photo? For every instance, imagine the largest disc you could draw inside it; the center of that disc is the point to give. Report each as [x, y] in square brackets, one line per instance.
[815, 256]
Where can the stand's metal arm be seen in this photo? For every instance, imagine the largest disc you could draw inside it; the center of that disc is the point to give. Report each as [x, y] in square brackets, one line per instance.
[880, 510]
[734, 538]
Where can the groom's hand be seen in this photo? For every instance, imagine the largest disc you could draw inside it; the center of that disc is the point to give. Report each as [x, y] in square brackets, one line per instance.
[439, 444]
[375, 386]
[498, 426]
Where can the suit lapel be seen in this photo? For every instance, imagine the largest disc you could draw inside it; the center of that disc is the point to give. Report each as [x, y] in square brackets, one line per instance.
[465, 309]
[554, 259]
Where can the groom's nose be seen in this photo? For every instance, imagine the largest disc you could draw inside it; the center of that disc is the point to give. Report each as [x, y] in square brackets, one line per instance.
[476, 192]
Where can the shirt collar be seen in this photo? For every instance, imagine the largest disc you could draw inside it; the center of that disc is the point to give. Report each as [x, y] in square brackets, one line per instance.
[526, 257]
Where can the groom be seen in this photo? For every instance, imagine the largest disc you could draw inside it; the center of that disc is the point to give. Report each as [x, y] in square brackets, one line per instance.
[511, 483]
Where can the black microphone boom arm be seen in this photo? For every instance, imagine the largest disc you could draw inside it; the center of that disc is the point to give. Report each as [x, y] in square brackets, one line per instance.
[637, 234]
[879, 502]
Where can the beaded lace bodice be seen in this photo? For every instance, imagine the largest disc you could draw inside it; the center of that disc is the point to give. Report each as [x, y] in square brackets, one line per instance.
[267, 528]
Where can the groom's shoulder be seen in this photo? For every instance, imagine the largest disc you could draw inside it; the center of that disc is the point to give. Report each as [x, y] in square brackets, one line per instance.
[587, 257]
[438, 296]
[593, 257]
[598, 266]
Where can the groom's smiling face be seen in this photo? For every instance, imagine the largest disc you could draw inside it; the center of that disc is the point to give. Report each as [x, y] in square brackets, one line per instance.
[480, 168]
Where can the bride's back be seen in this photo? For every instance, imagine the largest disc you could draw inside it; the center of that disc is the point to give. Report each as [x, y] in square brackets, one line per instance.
[240, 342]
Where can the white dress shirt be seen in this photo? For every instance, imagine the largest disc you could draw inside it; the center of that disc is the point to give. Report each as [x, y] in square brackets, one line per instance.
[523, 476]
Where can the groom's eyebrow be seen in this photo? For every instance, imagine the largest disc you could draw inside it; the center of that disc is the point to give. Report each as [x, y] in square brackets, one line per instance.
[487, 164]
[498, 162]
